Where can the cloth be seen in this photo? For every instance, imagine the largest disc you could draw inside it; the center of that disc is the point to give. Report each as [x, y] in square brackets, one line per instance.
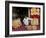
[26, 20]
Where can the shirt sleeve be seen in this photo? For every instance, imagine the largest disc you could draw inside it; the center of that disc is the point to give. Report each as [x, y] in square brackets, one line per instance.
[29, 18]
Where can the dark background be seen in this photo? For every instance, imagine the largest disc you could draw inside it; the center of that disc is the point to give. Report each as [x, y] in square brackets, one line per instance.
[20, 11]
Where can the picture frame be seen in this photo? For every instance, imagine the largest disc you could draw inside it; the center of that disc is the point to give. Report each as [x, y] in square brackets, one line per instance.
[26, 9]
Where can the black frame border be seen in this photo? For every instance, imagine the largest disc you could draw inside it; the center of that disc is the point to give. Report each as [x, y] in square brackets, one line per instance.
[7, 18]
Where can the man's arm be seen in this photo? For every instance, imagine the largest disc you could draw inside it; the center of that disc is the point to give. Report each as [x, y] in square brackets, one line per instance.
[29, 18]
